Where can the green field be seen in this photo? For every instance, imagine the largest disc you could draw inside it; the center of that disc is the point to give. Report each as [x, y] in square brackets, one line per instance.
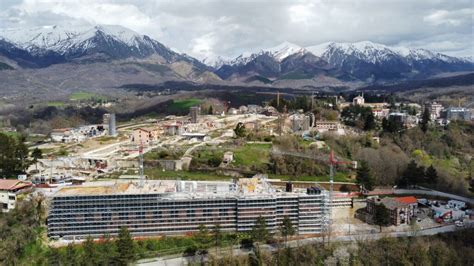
[183, 105]
[252, 154]
[56, 104]
[14, 134]
[84, 96]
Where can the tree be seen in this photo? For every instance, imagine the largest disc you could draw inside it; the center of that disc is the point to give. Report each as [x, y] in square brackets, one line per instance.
[202, 236]
[431, 175]
[239, 130]
[365, 178]
[286, 228]
[71, 255]
[210, 111]
[107, 251]
[54, 257]
[90, 255]
[392, 125]
[382, 216]
[217, 234]
[412, 175]
[36, 154]
[259, 231]
[369, 122]
[425, 120]
[13, 156]
[125, 247]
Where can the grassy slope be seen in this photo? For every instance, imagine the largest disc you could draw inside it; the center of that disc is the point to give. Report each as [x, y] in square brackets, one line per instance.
[82, 95]
[252, 154]
[183, 105]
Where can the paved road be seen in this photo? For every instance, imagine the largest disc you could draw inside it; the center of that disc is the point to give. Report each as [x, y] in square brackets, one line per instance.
[178, 261]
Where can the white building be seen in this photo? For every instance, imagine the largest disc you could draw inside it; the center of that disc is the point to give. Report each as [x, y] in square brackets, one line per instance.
[434, 109]
[358, 100]
[9, 189]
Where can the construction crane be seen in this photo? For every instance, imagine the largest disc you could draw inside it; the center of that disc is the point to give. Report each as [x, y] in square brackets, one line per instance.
[140, 163]
[333, 162]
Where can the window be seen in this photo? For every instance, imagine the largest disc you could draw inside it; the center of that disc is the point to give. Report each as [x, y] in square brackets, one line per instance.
[11, 198]
[4, 206]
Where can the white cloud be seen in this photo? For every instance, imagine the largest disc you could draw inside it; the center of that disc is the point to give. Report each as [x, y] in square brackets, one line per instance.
[203, 47]
[230, 27]
[454, 18]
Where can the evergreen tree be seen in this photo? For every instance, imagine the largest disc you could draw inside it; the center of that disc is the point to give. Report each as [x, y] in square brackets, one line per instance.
[36, 154]
[107, 251]
[412, 175]
[286, 228]
[71, 256]
[210, 111]
[202, 236]
[431, 175]
[259, 231]
[13, 156]
[54, 257]
[90, 255]
[239, 130]
[125, 247]
[382, 216]
[369, 122]
[217, 234]
[364, 177]
[425, 120]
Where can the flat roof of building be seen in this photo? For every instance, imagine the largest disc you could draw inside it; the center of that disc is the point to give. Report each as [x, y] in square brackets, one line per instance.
[176, 189]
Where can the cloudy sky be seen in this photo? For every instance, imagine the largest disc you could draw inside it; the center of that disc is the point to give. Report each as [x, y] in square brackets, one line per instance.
[206, 28]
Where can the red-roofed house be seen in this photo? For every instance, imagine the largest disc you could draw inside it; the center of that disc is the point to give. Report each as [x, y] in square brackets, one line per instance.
[9, 189]
[402, 209]
[407, 200]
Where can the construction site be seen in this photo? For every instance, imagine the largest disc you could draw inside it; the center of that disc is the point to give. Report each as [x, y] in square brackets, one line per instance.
[166, 207]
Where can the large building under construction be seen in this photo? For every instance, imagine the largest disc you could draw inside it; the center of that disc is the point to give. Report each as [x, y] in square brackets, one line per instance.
[179, 207]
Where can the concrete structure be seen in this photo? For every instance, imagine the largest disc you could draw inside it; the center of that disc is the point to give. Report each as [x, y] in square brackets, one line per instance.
[144, 135]
[9, 189]
[194, 113]
[171, 165]
[112, 125]
[434, 109]
[79, 134]
[457, 113]
[329, 126]
[380, 112]
[402, 209]
[358, 100]
[174, 129]
[232, 111]
[178, 207]
[228, 157]
[300, 122]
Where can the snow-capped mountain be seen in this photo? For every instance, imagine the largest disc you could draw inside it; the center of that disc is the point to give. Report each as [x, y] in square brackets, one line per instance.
[43, 46]
[367, 51]
[279, 53]
[364, 60]
[215, 61]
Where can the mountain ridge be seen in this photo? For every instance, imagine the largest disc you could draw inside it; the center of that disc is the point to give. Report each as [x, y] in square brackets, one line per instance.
[366, 61]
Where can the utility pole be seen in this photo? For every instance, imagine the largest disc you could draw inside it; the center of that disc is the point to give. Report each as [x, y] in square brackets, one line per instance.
[141, 168]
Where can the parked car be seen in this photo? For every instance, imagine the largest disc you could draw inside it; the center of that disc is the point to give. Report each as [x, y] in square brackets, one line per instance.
[459, 223]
